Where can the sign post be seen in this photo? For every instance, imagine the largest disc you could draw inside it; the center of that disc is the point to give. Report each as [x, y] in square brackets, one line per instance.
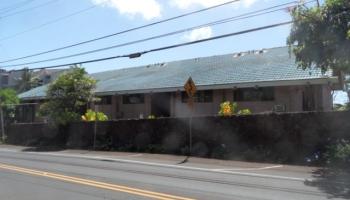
[2, 124]
[191, 90]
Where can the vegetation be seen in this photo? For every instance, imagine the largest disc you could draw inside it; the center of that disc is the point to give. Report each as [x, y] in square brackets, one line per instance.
[244, 112]
[342, 107]
[151, 117]
[338, 155]
[228, 108]
[320, 36]
[91, 115]
[8, 98]
[68, 96]
[27, 81]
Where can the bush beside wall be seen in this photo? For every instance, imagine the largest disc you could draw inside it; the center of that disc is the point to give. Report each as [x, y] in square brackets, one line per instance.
[285, 138]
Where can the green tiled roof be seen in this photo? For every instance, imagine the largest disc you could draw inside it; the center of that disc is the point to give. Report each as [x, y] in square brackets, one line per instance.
[270, 65]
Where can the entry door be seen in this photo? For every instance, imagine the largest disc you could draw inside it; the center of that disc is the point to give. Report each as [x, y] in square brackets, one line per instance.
[160, 104]
[309, 99]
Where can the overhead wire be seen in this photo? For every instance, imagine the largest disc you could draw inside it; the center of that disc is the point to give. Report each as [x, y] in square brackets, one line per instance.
[48, 23]
[119, 32]
[14, 6]
[213, 23]
[27, 9]
[138, 54]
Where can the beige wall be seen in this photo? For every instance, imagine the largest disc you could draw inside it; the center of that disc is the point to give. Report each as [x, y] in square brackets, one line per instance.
[289, 96]
[106, 109]
[181, 109]
[327, 99]
[129, 111]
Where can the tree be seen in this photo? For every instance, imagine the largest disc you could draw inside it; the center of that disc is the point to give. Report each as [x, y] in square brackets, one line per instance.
[27, 81]
[68, 96]
[342, 107]
[8, 99]
[320, 36]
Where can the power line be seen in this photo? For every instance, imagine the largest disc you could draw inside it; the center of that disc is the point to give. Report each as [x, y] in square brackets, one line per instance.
[48, 23]
[15, 6]
[120, 32]
[26, 10]
[138, 54]
[213, 23]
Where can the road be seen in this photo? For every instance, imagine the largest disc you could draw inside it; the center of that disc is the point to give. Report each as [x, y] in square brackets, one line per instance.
[36, 176]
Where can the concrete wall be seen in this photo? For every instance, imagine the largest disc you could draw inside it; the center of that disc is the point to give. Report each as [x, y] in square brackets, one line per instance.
[286, 137]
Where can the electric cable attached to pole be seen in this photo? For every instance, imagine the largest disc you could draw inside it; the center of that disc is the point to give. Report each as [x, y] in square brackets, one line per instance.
[113, 34]
[213, 23]
[139, 54]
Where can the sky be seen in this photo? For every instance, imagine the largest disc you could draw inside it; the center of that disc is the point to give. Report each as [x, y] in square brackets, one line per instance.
[28, 32]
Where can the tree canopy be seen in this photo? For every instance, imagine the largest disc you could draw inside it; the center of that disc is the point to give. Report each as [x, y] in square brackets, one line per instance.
[8, 98]
[68, 96]
[320, 36]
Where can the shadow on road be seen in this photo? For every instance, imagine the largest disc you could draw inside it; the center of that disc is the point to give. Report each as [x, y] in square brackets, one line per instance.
[335, 183]
[43, 149]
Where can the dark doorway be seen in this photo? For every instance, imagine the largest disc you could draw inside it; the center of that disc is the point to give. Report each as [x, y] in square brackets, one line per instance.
[308, 99]
[160, 104]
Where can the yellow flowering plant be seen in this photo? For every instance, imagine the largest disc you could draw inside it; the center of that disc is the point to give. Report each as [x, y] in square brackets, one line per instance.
[228, 108]
[91, 115]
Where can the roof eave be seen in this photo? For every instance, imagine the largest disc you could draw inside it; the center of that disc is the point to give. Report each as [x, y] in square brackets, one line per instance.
[314, 81]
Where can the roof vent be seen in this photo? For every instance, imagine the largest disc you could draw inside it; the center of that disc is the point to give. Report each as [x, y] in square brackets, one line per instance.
[262, 51]
[236, 55]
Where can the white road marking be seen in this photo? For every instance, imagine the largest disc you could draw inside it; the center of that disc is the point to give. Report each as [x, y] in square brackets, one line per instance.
[166, 165]
[249, 169]
[134, 155]
[8, 150]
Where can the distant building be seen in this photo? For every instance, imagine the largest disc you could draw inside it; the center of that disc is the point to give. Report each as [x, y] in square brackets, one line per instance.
[11, 79]
[263, 81]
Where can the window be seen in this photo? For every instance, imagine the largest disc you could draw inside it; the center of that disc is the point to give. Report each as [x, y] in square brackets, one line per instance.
[5, 79]
[204, 96]
[134, 99]
[254, 94]
[105, 100]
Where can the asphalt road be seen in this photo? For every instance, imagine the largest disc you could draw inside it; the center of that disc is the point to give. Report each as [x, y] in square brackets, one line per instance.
[33, 176]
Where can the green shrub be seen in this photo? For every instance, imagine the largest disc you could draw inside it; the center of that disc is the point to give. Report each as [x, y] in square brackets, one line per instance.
[244, 112]
[91, 115]
[338, 155]
[151, 117]
[228, 108]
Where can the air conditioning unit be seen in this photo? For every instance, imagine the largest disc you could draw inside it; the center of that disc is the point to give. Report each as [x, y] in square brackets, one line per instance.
[279, 108]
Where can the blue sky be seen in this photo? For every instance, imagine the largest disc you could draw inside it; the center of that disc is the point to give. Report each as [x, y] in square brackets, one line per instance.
[113, 16]
[109, 16]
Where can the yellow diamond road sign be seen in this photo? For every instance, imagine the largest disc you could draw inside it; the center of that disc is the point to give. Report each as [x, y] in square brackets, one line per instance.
[190, 87]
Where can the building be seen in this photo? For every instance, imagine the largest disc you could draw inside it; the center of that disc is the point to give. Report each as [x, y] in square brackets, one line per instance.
[12, 79]
[263, 81]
